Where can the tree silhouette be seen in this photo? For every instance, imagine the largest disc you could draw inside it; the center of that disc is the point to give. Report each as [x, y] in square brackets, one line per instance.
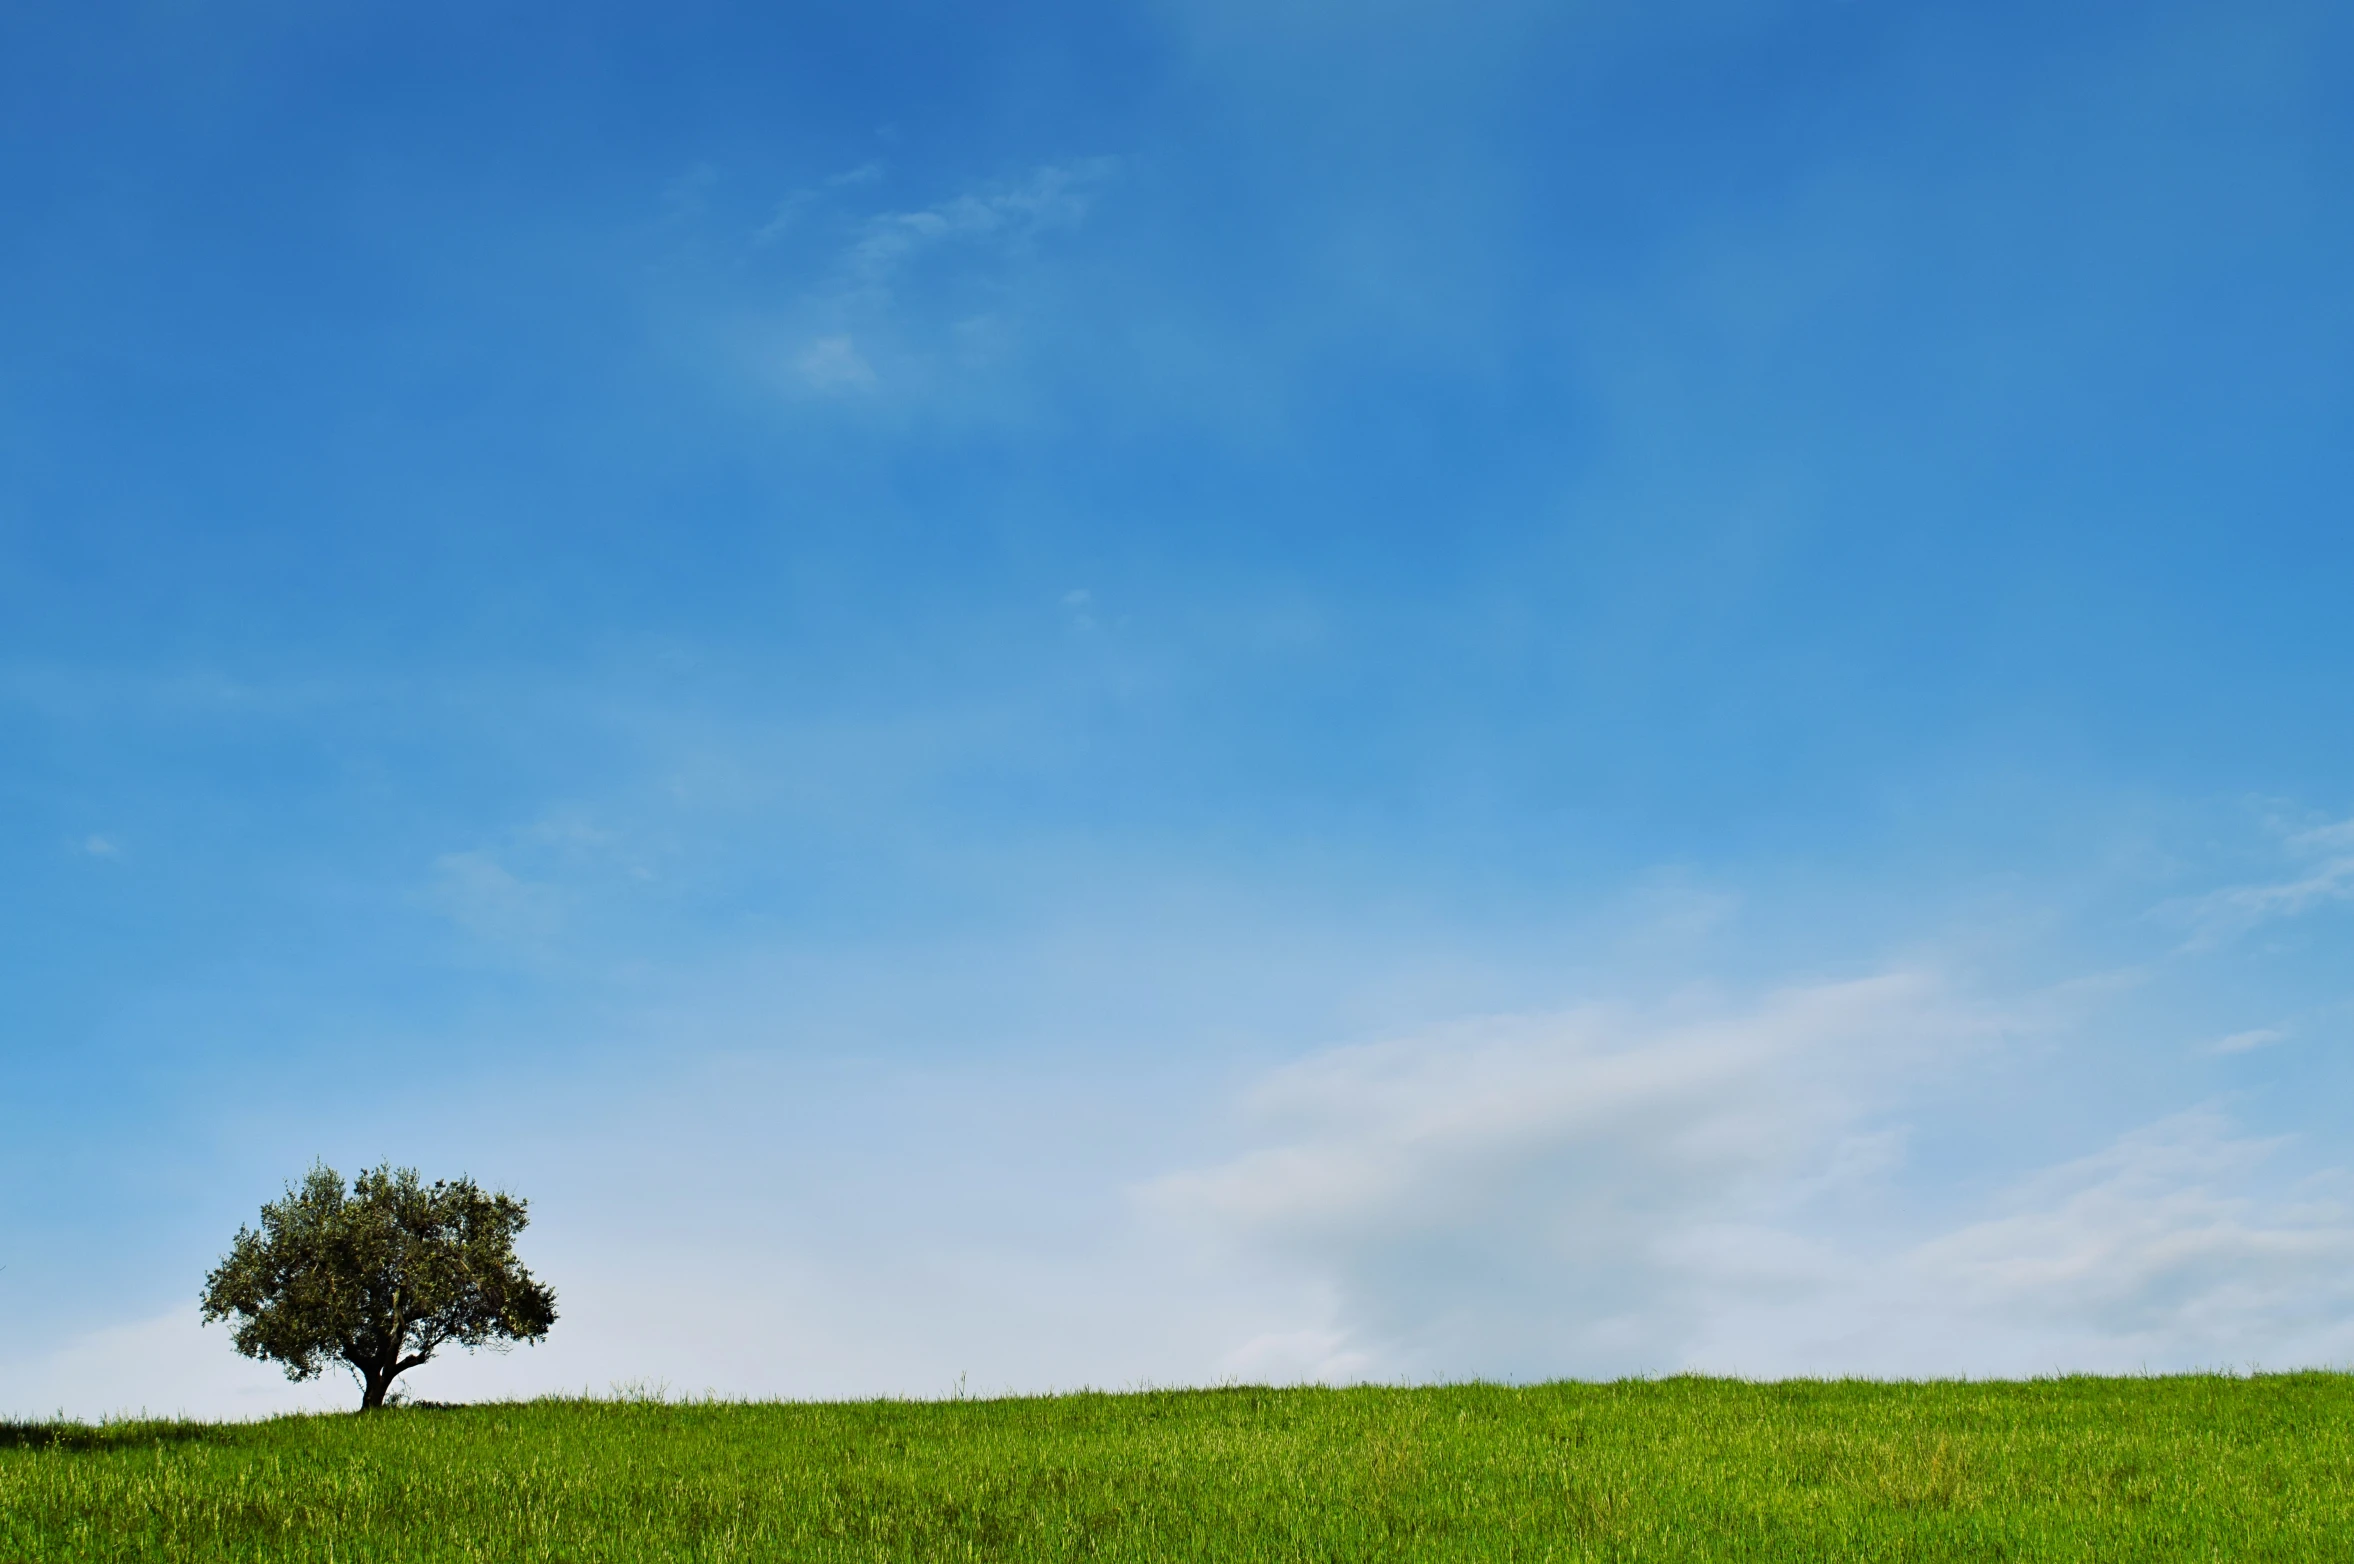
[379, 1278]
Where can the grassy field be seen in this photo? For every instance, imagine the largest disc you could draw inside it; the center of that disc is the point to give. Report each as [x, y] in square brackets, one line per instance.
[2123, 1469]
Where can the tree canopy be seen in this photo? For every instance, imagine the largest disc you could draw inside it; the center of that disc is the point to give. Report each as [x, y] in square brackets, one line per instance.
[378, 1278]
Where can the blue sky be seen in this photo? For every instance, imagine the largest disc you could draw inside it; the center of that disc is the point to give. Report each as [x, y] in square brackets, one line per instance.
[1177, 691]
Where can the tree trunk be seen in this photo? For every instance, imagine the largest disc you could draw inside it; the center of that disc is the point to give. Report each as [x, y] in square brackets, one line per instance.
[374, 1383]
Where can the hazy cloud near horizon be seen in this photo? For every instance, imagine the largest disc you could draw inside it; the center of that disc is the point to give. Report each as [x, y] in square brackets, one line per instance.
[1600, 1194]
[1618, 1189]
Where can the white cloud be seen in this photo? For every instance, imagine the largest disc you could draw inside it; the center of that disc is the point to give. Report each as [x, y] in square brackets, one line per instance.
[102, 847]
[1524, 1195]
[1608, 1192]
[2158, 1249]
[2243, 1042]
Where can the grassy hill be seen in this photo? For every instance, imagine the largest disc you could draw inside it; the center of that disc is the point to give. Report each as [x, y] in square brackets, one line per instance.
[2124, 1469]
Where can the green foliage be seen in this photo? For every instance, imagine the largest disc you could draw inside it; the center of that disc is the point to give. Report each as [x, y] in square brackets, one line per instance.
[2131, 1470]
[378, 1279]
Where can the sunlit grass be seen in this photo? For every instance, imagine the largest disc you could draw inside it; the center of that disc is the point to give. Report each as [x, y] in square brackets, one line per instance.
[2125, 1469]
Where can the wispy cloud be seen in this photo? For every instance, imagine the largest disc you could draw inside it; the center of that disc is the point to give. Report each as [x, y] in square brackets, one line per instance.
[2325, 855]
[2156, 1249]
[1003, 216]
[1609, 1192]
[789, 213]
[1526, 1194]
[2170, 1248]
[909, 288]
[524, 896]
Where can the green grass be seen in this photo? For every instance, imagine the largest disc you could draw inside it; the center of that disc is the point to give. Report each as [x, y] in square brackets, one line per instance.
[2125, 1469]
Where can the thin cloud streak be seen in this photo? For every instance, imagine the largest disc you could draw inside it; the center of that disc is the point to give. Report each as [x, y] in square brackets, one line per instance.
[879, 320]
[2328, 876]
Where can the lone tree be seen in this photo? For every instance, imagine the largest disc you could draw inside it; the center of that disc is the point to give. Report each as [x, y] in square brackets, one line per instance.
[378, 1279]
